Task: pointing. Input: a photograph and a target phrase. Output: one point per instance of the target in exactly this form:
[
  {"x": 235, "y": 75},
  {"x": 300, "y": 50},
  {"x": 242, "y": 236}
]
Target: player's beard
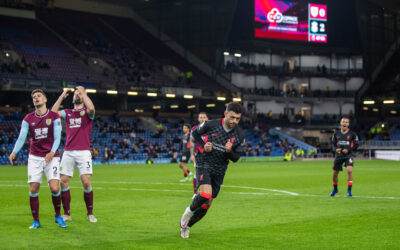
[
  {"x": 231, "y": 125},
  {"x": 77, "y": 101}
]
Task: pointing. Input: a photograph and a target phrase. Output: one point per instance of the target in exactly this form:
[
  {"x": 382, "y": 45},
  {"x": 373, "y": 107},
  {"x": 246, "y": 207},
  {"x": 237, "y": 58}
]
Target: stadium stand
[
  {"x": 137, "y": 140},
  {"x": 90, "y": 48}
]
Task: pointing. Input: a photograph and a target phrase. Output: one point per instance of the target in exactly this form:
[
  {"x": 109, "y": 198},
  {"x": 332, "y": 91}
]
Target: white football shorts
[
  {"x": 81, "y": 159},
  {"x": 37, "y": 165}
]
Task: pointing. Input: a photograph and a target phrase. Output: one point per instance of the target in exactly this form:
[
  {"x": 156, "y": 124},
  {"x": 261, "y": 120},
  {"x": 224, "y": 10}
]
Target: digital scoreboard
[{"x": 288, "y": 20}]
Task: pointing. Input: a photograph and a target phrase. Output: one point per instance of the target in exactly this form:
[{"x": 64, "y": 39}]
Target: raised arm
[
  {"x": 56, "y": 106},
  {"x": 87, "y": 101},
  {"x": 20, "y": 141}
]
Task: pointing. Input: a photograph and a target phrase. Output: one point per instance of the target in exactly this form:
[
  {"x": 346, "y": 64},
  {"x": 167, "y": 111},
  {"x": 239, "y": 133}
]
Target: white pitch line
[
  {"x": 264, "y": 189},
  {"x": 241, "y": 193},
  {"x": 183, "y": 184}
]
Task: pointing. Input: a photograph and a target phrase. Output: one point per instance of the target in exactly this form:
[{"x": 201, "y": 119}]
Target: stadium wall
[
  {"x": 388, "y": 155},
  {"x": 316, "y": 83},
  {"x": 317, "y": 108},
  {"x": 320, "y": 83}
]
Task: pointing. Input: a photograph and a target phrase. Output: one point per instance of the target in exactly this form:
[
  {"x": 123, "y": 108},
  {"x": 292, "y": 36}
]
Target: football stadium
[{"x": 199, "y": 124}]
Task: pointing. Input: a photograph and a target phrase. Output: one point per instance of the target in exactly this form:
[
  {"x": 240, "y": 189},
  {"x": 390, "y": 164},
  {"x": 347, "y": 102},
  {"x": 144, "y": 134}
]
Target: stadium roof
[{"x": 393, "y": 5}]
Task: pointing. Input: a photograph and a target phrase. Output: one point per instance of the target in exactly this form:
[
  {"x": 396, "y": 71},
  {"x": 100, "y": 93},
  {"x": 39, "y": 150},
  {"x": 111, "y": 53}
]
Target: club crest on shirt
[
  {"x": 82, "y": 113},
  {"x": 48, "y": 122},
  {"x": 33, "y": 124}
]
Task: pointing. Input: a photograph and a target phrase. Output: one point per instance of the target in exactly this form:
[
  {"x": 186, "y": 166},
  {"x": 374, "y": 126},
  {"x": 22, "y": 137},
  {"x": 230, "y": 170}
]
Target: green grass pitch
[{"x": 273, "y": 205}]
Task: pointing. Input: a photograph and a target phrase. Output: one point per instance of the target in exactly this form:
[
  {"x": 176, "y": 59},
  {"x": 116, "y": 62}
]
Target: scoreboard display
[{"x": 288, "y": 20}]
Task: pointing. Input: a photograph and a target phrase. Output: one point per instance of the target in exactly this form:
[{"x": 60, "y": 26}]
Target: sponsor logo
[
  {"x": 214, "y": 134},
  {"x": 275, "y": 16},
  {"x": 41, "y": 133},
  {"x": 219, "y": 147},
  {"x": 75, "y": 122},
  {"x": 48, "y": 122}
]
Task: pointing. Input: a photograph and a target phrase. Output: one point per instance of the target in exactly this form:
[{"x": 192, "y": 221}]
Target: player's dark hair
[
  {"x": 345, "y": 117},
  {"x": 38, "y": 91},
  {"x": 187, "y": 125},
  {"x": 234, "y": 107},
  {"x": 203, "y": 113}
]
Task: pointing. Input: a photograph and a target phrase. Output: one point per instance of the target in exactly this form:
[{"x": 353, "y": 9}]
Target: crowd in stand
[
  {"x": 133, "y": 140},
  {"x": 21, "y": 67},
  {"x": 123, "y": 64}
]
